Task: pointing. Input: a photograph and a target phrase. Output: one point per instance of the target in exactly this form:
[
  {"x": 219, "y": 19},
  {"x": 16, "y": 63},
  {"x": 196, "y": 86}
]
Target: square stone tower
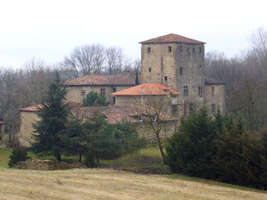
[{"x": 177, "y": 62}]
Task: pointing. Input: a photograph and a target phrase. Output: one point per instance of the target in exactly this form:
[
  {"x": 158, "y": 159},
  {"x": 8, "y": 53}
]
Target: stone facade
[
  {"x": 26, "y": 128},
  {"x": 179, "y": 63},
  {"x": 168, "y": 129},
  {"x": 78, "y": 93}
]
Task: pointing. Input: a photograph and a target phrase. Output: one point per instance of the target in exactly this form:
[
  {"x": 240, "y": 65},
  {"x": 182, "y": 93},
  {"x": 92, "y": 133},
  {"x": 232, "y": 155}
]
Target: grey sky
[{"x": 50, "y": 29}]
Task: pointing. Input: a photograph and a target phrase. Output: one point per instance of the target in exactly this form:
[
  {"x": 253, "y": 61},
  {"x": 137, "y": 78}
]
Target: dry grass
[{"x": 110, "y": 184}]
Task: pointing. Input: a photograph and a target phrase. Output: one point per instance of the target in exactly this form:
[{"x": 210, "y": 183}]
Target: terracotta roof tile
[
  {"x": 35, "y": 108},
  {"x": 147, "y": 89},
  {"x": 171, "y": 38},
  {"x": 97, "y": 79}
]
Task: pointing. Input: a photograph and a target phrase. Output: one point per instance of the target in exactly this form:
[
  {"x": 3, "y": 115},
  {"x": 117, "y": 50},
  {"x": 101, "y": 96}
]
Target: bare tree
[
  {"x": 86, "y": 59},
  {"x": 154, "y": 111},
  {"x": 114, "y": 60}
]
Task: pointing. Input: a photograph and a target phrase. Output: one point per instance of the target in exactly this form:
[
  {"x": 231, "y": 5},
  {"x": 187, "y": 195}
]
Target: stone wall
[
  {"x": 158, "y": 65},
  {"x": 28, "y": 118},
  {"x": 78, "y": 93},
  {"x": 26, "y": 128},
  {"x": 144, "y": 130},
  {"x": 215, "y": 95}
]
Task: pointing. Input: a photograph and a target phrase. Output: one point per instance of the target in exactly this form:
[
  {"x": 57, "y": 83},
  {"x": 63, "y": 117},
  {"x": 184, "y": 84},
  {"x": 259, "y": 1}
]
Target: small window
[
  {"x": 148, "y": 49},
  {"x": 169, "y": 49},
  {"x": 200, "y": 49},
  {"x": 200, "y": 91},
  {"x": 149, "y": 69},
  {"x": 103, "y": 92},
  {"x": 212, "y": 91},
  {"x": 181, "y": 71},
  {"x": 213, "y": 108},
  {"x": 114, "y": 100},
  {"x": 218, "y": 108},
  {"x": 188, "y": 51},
  {"x": 200, "y": 66},
  {"x": 83, "y": 93},
  {"x": 181, "y": 48},
  {"x": 174, "y": 108},
  {"x": 193, "y": 50},
  {"x": 166, "y": 78},
  {"x": 185, "y": 90},
  {"x": 185, "y": 109},
  {"x": 191, "y": 108},
  {"x": 114, "y": 89}
]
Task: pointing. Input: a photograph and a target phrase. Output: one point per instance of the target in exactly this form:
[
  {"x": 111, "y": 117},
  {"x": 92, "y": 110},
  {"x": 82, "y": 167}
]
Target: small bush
[
  {"x": 17, "y": 155},
  {"x": 90, "y": 160},
  {"x": 94, "y": 99}
]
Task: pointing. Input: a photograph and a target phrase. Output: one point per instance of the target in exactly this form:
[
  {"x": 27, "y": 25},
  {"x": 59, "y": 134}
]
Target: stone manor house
[{"x": 172, "y": 67}]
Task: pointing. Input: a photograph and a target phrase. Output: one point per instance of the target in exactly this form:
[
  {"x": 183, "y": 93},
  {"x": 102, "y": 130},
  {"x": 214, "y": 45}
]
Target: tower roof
[{"x": 171, "y": 38}]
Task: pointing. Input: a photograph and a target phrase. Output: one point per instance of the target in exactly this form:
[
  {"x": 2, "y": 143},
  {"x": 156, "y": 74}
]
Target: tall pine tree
[{"x": 53, "y": 117}]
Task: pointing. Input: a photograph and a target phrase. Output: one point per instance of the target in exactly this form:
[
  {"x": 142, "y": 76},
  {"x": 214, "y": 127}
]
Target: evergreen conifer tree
[{"x": 53, "y": 117}]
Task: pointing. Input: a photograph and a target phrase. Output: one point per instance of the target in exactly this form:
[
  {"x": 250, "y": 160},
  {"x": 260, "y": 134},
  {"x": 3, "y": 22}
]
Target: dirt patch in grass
[{"x": 37, "y": 164}]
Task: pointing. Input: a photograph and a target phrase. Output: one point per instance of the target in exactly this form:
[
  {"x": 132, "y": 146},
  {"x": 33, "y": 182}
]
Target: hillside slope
[{"x": 109, "y": 184}]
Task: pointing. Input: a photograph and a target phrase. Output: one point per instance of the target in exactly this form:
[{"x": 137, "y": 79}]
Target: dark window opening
[
  {"x": 191, "y": 108},
  {"x": 200, "y": 91},
  {"x": 218, "y": 108},
  {"x": 185, "y": 109},
  {"x": 185, "y": 90},
  {"x": 148, "y": 49},
  {"x": 165, "y": 78},
  {"x": 149, "y": 69},
  {"x": 213, "y": 108},
  {"x": 114, "y": 89},
  {"x": 200, "y": 49},
  {"x": 200, "y": 66},
  {"x": 83, "y": 93},
  {"x": 103, "y": 92},
  {"x": 181, "y": 48},
  {"x": 193, "y": 50},
  {"x": 170, "y": 49},
  {"x": 174, "y": 108},
  {"x": 181, "y": 70},
  {"x": 114, "y": 100},
  {"x": 188, "y": 51}
]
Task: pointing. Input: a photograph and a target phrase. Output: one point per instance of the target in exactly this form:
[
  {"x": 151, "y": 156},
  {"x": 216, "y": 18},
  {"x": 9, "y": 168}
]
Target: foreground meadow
[{"x": 111, "y": 184}]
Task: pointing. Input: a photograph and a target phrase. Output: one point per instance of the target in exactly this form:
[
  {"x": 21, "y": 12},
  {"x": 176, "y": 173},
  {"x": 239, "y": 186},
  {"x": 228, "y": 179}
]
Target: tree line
[
  {"x": 27, "y": 86},
  {"x": 219, "y": 148},
  {"x": 246, "y": 80}
]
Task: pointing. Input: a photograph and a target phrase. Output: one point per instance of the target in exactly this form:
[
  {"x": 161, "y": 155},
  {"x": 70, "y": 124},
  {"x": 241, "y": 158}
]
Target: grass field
[
  {"x": 111, "y": 184},
  {"x": 115, "y": 184}
]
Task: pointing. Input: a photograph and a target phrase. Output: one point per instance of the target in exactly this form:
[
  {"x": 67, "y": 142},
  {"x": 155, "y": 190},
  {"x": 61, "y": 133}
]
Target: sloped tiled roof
[
  {"x": 147, "y": 89},
  {"x": 37, "y": 107},
  {"x": 171, "y": 38},
  {"x": 98, "y": 79}
]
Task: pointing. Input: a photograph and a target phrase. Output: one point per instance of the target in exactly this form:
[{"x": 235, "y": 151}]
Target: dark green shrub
[
  {"x": 90, "y": 160},
  {"x": 17, "y": 155},
  {"x": 192, "y": 149},
  {"x": 94, "y": 99}
]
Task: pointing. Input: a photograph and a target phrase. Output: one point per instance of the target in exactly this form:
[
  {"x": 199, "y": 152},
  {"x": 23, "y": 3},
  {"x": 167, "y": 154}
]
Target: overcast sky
[{"x": 49, "y": 29}]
